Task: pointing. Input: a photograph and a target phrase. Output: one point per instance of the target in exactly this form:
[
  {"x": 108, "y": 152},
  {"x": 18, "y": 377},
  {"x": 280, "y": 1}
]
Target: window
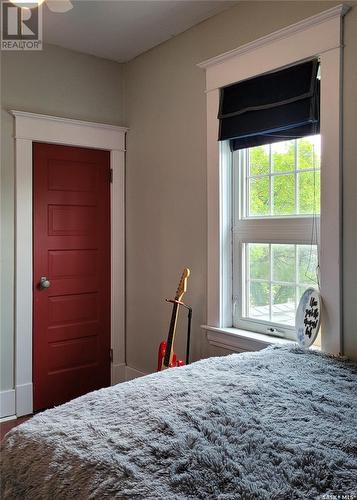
[
  {"x": 272, "y": 123},
  {"x": 318, "y": 37},
  {"x": 274, "y": 185}
]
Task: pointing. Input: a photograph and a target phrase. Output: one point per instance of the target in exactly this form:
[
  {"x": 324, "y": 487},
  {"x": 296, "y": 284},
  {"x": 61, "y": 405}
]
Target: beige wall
[
  {"x": 166, "y": 171},
  {"x": 54, "y": 81}
]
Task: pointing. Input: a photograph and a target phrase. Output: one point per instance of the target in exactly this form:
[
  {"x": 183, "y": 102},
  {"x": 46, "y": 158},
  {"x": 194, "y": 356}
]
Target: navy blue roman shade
[{"x": 273, "y": 107}]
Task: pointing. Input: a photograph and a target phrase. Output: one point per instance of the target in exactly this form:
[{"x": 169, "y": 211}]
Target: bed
[{"x": 276, "y": 424}]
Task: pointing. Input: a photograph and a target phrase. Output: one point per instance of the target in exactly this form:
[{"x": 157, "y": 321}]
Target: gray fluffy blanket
[{"x": 275, "y": 424}]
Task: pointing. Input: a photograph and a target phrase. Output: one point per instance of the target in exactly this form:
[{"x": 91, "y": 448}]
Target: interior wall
[
  {"x": 57, "y": 82},
  {"x": 165, "y": 108},
  {"x": 166, "y": 171}
]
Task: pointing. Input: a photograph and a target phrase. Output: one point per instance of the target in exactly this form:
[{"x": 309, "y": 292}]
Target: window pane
[
  {"x": 283, "y": 306},
  {"x": 283, "y": 156},
  {"x": 305, "y": 154},
  {"x": 317, "y": 154},
  {"x": 259, "y": 196},
  {"x": 283, "y": 258},
  {"x": 259, "y": 261},
  {"x": 309, "y": 192},
  {"x": 277, "y": 274},
  {"x": 290, "y": 178},
  {"x": 283, "y": 194},
  {"x": 259, "y": 300},
  {"x": 308, "y": 152},
  {"x": 307, "y": 264},
  {"x": 259, "y": 160}
]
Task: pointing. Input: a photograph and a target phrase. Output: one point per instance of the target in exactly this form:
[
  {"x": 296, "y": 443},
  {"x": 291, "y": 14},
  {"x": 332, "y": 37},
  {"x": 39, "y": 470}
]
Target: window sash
[
  {"x": 290, "y": 229},
  {"x": 240, "y": 294},
  {"x": 298, "y": 230},
  {"x": 241, "y": 178}
]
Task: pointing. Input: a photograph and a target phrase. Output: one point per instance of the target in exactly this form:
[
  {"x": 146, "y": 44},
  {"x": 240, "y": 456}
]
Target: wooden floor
[{"x": 9, "y": 424}]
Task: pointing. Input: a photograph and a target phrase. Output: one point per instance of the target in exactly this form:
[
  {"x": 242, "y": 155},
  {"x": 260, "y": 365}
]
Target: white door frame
[{"x": 29, "y": 128}]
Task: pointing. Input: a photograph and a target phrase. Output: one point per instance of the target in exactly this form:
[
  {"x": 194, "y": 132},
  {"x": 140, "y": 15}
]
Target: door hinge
[
  {"x": 111, "y": 175},
  {"x": 111, "y": 355}
]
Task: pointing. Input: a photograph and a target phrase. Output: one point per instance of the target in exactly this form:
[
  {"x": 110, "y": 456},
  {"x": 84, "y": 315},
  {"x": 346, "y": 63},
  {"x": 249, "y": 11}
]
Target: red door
[{"x": 71, "y": 342}]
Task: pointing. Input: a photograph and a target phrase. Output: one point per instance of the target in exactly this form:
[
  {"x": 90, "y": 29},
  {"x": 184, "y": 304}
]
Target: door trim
[{"x": 29, "y": 128}]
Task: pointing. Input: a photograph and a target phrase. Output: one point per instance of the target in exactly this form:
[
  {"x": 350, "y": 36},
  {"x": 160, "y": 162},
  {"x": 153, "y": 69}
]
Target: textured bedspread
[{"x": 278, "y": 424}]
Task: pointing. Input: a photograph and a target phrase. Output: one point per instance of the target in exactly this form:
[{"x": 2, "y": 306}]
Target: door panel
[{"x": 71, "y": 351}]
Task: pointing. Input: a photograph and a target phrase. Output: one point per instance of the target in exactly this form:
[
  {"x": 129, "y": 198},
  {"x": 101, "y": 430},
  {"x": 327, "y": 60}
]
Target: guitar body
[
  {"x": 166, "y": 357},
  {"x": 161, "y": 357}
]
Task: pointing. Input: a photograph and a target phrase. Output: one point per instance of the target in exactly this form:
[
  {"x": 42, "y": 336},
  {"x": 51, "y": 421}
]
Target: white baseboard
[
  {"x": 131, "y": 373},
  {"x": 7, "y": 403},
  {"x": 118, "y": 373},
  {"x": 7, "y": 419},
  {"x": 24, "y": 403}
]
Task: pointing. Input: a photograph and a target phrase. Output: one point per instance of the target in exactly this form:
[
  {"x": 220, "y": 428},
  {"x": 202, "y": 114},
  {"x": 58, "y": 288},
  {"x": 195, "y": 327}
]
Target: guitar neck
[{"x": 171, "y": 335}]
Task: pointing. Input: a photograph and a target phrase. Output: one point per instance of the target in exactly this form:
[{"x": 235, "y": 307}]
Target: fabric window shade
[{"x": 272, "y": 107}]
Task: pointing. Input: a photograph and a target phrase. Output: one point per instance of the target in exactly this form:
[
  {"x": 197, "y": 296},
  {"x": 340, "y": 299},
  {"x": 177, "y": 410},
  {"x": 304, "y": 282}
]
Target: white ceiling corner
[{"x": 122, "y": 29}]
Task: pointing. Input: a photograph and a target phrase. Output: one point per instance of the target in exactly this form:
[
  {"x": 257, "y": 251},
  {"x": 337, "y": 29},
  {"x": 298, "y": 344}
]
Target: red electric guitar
[{"x": 167, "y": 358}]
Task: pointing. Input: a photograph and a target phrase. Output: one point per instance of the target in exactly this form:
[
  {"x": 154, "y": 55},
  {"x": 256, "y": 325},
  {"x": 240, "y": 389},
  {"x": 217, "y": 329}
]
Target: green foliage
[
  {"x": 283, "y": 258},
  {"x": 309, "y": 186},
  {"x": 284, "y": 195},
  {"x": 283, "y": 269},
  {"x": 284, "y": 157},
  {"x": 259, "y": 294},
  {"x": 259, "y": 196},
  {"x": 307, "y": 156},
  {"x": 259, "y": 160},
  {"x": 259, "y": 261}
]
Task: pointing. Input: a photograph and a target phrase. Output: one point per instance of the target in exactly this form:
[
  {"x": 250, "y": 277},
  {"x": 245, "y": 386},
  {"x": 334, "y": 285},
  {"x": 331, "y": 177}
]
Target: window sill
[{"x": 238, "y": 340}]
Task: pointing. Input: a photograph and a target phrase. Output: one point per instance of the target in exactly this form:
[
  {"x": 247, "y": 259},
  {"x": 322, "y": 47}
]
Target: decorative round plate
[{"x": 308, "y": 317}]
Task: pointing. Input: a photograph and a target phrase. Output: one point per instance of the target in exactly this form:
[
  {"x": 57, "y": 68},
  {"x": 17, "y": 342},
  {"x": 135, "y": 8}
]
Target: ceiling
[{"x": 122, "y": 29}]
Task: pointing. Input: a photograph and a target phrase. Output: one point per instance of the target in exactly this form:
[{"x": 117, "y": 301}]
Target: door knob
[{"x": 44, "y": 282}]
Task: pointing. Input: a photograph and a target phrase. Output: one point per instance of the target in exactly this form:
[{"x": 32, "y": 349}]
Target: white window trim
[
  {"x": 29, "y": 128},
  {"x": 318, "y": 36}
]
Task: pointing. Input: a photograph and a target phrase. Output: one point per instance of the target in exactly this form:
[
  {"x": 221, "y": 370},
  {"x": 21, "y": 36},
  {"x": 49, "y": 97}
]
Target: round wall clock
[{"x": 308, "y": 317}]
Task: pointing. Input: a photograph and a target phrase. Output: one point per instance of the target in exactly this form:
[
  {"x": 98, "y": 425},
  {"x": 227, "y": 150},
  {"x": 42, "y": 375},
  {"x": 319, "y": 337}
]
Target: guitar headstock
[{"x": 182, "y": 287}]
